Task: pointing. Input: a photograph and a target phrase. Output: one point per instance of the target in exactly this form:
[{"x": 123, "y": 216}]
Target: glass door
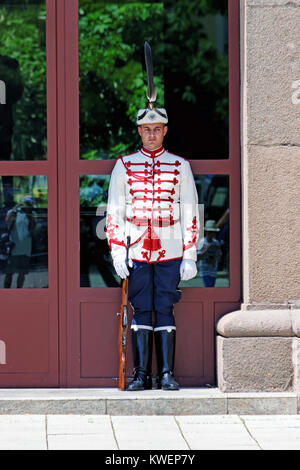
[
  {"x": 105, "y": 84},
  {"x": 28, "y": 195}
]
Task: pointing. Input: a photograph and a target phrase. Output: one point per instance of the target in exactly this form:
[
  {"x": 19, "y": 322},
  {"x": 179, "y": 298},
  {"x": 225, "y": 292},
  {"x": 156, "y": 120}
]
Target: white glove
[
  {"x": 188, "y": 269},
  {"x": 121, "y": 267}
]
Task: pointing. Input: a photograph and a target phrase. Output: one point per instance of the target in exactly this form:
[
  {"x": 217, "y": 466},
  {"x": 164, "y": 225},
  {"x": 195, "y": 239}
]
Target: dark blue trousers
[{"x": 153, "y": 288}]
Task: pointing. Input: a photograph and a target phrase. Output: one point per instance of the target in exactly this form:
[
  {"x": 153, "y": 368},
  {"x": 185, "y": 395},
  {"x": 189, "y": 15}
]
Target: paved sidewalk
[
  {"x": 179, "y": 433},
  {"x": 187, "y": 420}
]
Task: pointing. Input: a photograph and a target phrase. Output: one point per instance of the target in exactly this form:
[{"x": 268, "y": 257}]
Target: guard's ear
[{"x": 165, "y": 130}]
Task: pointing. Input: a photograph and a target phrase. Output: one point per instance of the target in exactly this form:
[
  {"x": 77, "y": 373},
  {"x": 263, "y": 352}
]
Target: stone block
[
  {"x": 271, "y": 225},
  {"x": 257, "y": 364},
  {"x": 262, "y": 404},
  {"x": 295, "y": 315},
  {"x": 255, "y": 323},
  {"x": 38, "y": 407},
  {"x": 272, "y": 75},
  {"x": 296, "y": 362},
  {"x": 273, "y": 3},
  {"x": 204, "y": 405}
]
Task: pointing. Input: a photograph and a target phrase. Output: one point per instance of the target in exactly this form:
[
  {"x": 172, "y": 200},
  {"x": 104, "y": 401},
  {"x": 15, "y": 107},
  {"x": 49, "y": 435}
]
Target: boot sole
[
  {"x": 159, "y": 387},
  {"x": 139, "y": 389}
]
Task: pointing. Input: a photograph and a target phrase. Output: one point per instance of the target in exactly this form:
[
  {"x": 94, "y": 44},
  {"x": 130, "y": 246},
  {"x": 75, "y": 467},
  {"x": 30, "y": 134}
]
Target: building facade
[{"x": 68, "y": 82}]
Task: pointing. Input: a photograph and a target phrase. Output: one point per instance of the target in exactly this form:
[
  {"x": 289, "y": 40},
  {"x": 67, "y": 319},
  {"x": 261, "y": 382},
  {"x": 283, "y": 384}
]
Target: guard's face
[{"x": 152, "y": 135}]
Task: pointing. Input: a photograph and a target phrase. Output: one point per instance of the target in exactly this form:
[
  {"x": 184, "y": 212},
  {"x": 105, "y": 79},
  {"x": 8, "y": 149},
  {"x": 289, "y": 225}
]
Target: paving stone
[
  {"x": 80, "y": 442},
  {"x": 80, "y": 432},
  {"x": 219, "y": 433},
  {"x": 275, "y": 432},
  {"x": 79, "y": 424},
  {"x": 23, "y": 433},
  {"x": 272, "y": 421},
  {"x": 148, "y": 432}
]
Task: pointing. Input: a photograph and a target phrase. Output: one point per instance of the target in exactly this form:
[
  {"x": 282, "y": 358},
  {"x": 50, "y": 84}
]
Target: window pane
[
  {"x": 96, "y": 268},
  {"x": 189, "y": 40},
  {"x": 23, "y": 108},
  {"x": 23, "y": 232},
  {"x": 213, "y": 246}
]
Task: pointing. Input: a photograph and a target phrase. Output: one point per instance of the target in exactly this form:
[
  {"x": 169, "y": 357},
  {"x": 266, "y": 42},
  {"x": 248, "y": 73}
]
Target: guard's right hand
[{"x": 121, "y": 267}]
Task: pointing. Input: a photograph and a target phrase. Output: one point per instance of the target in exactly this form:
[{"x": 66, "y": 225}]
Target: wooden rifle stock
[{"x": 123, "y": 326}]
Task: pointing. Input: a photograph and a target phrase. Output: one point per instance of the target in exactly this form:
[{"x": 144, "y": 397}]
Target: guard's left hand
[{"x": 188, "y": 270}]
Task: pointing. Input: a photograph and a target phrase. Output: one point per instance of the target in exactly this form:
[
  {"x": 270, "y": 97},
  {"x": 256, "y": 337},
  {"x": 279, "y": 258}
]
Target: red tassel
[
  {"x": 156, "y": 245},
  {"x": 152, "y": 242},
  {"x": 147, "y": 244}
]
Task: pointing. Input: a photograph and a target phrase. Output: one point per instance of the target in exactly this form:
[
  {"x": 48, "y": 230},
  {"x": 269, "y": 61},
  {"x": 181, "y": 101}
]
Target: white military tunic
[{"x": 153, "y": 198}]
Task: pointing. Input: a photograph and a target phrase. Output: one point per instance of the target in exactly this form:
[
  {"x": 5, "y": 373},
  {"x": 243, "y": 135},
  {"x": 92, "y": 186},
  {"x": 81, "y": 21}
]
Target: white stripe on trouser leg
[
  {"x": 168, "y": 328},
  {"x": 141, "y": 327}
]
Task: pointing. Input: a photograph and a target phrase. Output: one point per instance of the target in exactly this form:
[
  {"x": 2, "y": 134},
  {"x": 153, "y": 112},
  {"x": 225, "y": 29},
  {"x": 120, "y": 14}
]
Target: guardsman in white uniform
[{"x": 153, "y": 199}]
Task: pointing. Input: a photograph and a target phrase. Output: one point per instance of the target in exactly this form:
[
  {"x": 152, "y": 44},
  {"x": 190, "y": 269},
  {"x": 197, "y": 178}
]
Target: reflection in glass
[
  {"x": 213, "y": 245},
  {"x": 23, "y": 232},
  {"x": 96, "y": 268},
  {"x": 191, "y": 81},
  {"x": 23, "y": 116}
]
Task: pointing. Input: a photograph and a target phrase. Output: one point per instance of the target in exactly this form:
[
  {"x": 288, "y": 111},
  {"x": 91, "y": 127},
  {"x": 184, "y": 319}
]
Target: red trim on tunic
[
  {"x": 146, "y": 164},
  {"x": 194, "y": 230},
  {"x": 159, "y": 181},
  {"x": 145, "y": 190},
  {"x": 159, "y": 222},
  {"x": 152, "y": 153},
  {"x": 140, "y": 180},
  {"x": 115, "y": 242},
  {"x": 177, "y": 163},
  {"x": 137, "y": 173},
  {"x": 160, "y": 190},
  {"x": 159, "y": 172},
  {"x": 174, "y": 155},
  {"x": 143, "y": 261},
  {"x": 158, "y": 199},
  {"x": 161, "y": 254}
]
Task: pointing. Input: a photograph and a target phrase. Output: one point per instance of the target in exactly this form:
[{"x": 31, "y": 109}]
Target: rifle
[{"x": 123, "y": 328}]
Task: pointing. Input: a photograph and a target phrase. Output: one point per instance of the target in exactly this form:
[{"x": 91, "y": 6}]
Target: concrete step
[{"x": 109, "y": 401}]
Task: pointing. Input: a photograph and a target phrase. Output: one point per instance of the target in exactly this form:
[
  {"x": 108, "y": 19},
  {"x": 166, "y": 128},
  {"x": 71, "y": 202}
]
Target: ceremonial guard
[{"x": 153, "y": 199}]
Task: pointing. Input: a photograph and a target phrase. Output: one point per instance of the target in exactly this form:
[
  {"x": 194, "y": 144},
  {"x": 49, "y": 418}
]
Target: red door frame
[
  {"x": 29, "y": 317},
  {"x": 215, "y": 302}
]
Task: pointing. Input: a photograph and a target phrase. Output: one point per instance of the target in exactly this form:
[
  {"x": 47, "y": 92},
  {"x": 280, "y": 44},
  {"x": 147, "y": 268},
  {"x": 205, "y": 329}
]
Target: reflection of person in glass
[
  {"x": 223, "y": 237},
  {"x": 21, "y": 220},
  {"x": 209, "y": 254},
  {"x": 153, "y": 199},
  {"x": 10, "y": 75}
]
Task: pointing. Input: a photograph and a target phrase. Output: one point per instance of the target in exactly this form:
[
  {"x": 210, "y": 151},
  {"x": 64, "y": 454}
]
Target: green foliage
[
  {"x": 112, "y": 71},
  {"x": 112, "y": 80},
  {"x": 192, "y": 58},
  {"x": 93, "y": 190},
  {"x": 22, "y": 37}
]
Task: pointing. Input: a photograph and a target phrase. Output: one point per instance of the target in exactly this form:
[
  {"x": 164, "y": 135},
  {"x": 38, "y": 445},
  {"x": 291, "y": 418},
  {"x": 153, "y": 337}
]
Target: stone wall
[{"x": 264, "y": 334}]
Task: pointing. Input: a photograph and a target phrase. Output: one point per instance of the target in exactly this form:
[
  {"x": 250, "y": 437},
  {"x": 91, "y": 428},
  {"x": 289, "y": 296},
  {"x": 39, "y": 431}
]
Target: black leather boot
[
  {"x": 142, "y": 345},
  {"x": 165, "y": 352}
]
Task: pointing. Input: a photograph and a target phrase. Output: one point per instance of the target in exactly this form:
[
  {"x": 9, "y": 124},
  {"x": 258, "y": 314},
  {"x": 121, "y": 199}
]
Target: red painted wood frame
[
  {"x": 88, "y": 322},
  {"x": 29, "y": 317}
]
